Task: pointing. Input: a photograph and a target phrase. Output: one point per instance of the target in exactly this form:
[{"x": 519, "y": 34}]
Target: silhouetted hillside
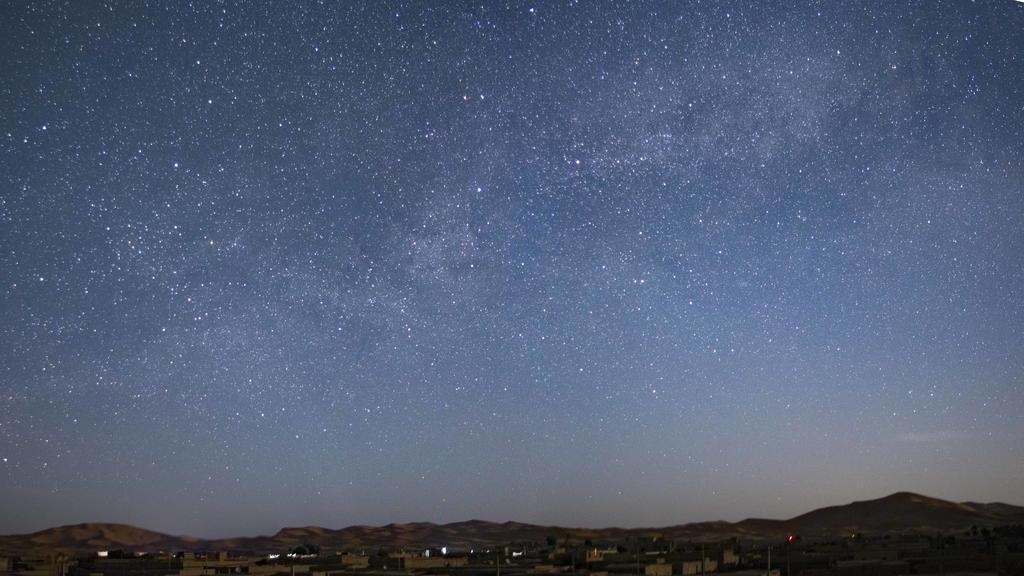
[{"x": 903, "y": 511}]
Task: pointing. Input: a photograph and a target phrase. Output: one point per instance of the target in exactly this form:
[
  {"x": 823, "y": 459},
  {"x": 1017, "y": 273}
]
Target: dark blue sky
[{"x": 578, "y": 263}]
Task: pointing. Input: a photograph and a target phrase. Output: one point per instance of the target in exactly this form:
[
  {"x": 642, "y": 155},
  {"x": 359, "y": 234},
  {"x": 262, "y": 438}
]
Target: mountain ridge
[{"x": 900, "y": 511}]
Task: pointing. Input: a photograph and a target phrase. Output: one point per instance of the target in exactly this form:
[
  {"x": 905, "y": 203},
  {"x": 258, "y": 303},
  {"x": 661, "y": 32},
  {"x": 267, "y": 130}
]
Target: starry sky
[{"x": 584, "y": 263}]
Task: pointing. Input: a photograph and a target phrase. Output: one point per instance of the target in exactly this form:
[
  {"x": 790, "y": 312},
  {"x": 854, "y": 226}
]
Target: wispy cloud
[{"x": 932, "y": 436}]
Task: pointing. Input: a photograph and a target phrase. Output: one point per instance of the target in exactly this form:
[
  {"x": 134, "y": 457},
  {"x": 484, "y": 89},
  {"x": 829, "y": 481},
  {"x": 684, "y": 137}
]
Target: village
[{"x": 974, "y": 551}]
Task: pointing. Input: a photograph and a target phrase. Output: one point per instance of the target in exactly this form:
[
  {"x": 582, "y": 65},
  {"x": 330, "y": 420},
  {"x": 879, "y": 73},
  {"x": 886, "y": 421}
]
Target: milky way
[{"x": 576, "y": 263}]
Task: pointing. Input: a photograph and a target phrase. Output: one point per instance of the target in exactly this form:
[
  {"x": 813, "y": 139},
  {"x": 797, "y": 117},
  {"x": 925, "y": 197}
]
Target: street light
[{"x": 789, "y": 540}]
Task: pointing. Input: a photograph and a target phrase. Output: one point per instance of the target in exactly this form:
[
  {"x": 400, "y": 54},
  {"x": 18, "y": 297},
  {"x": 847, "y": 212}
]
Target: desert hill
[
  {"x": 902, "y": 511},
  {"x": 95, "y": 536}
]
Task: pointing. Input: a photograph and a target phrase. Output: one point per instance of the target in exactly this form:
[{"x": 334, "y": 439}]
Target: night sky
[{"x": 578, "y": 263}]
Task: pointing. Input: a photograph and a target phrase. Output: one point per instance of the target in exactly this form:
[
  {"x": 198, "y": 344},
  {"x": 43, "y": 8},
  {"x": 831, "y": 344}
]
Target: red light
[{"x": 790, "y": 538}]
